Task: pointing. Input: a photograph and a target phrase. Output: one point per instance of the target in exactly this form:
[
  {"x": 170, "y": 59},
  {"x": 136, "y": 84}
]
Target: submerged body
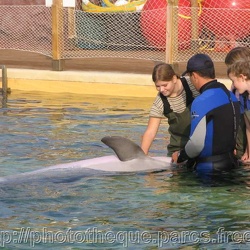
[{"x": 130, "y": 158}]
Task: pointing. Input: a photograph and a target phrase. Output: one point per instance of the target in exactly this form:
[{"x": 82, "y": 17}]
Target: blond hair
[
  {"x": 240, "y": 67},
  {"x": 237, "y": 54}
]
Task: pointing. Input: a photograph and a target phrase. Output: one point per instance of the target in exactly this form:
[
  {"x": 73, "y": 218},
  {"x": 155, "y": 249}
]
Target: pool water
[{"x": 168, "y": 210}]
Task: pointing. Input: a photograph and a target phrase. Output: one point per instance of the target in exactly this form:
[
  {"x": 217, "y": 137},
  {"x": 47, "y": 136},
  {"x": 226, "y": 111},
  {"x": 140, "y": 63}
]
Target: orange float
[
  {"x": 153, "y": 23},
  {"x": 227, "y": 18}
]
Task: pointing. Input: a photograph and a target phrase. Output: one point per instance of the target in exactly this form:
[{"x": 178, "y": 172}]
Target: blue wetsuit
[{"x": 215, "y": 116}]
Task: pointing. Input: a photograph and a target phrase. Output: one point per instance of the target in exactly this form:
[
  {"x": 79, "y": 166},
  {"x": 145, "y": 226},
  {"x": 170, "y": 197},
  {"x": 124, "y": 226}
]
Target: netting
[
  {"x": 27, "y": 28},
  {"x": 139, "y": 29}
]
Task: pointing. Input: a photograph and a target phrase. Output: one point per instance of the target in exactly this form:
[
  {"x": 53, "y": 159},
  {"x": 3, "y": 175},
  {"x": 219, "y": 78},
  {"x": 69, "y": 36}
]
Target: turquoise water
[{"x": 164, "y": 210}]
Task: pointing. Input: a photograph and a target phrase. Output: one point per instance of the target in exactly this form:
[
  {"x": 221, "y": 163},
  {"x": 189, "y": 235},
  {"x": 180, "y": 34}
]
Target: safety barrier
[{"x": 159, "y": 30}]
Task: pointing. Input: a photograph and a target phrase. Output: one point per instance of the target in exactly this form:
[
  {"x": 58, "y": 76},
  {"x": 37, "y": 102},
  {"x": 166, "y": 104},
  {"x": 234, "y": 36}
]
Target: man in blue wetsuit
[{"x": 215, "y": 116}]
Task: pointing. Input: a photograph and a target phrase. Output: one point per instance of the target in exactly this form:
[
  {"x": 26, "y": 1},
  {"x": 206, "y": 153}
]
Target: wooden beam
[{"x": 57, "y": 35}]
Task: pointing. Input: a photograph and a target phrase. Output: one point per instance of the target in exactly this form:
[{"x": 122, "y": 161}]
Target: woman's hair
[
  {"x": 236, "y": 54},
  {"x": 163, "y": 72},
  {"x": 240, "y": 67}
]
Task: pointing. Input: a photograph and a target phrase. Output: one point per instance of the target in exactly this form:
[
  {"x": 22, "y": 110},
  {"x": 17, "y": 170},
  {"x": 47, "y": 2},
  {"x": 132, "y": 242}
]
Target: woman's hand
[{"x": 175, "y": 156}]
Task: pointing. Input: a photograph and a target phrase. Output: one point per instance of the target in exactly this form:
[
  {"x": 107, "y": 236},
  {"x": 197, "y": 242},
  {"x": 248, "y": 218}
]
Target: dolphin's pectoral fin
[{"x": 124, "y": 148}]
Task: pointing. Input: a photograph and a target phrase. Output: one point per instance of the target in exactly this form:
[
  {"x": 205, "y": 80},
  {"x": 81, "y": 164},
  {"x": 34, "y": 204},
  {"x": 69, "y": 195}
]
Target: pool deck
[
  {"x": 77, "y": 82},
  {"x": 115, "y": 77}
]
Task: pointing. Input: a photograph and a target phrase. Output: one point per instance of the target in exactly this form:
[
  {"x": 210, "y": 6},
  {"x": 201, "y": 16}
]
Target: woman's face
[
  {"x": 239, "y": 82},
  {"x": 166, "y": 87}
]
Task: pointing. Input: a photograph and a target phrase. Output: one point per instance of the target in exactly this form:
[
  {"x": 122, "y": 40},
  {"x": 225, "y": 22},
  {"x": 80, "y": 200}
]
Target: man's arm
[{"x": 195, "y": 143}]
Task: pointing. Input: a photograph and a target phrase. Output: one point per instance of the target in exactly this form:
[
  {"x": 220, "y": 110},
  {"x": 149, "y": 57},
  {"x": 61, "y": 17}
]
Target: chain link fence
[{"x": 139, "y": 29}]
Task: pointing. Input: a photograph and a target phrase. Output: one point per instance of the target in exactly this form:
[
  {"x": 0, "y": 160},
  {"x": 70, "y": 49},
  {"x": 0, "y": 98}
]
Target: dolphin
[{"x": 129, "y": 158}]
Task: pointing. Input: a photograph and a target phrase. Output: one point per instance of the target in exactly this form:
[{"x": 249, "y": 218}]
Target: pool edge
[{"x": 82, "y": 82}]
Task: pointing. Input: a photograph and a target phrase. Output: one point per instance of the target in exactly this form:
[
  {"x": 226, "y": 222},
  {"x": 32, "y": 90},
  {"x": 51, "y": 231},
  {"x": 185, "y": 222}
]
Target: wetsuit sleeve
[{"x": 196, "y": 140}]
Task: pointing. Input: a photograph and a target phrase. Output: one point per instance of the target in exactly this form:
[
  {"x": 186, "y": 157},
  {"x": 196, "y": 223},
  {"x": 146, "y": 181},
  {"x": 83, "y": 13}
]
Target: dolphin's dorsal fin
[{"x": 124, "y": 148}]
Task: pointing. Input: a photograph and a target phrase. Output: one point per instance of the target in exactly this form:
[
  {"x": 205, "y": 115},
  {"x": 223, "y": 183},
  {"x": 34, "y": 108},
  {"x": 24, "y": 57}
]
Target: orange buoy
[
  {"x": 153, "y": 23},
  {"x": 227, "y": 18}
]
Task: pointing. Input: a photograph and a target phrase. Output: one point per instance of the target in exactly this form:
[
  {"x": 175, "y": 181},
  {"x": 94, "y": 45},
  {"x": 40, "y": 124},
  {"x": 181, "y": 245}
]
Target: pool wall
[{"x": 84, "y": 82}]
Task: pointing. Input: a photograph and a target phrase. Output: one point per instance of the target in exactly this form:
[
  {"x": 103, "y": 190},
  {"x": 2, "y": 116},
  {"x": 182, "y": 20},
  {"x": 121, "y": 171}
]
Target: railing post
[
  {"x": 171, "y": 32},
  {"x": 195, "y": 27},
  {"x": 4, "y": 80},
  {"x": 57, "y": 35},
  {"x": 5, "y": 90}
]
